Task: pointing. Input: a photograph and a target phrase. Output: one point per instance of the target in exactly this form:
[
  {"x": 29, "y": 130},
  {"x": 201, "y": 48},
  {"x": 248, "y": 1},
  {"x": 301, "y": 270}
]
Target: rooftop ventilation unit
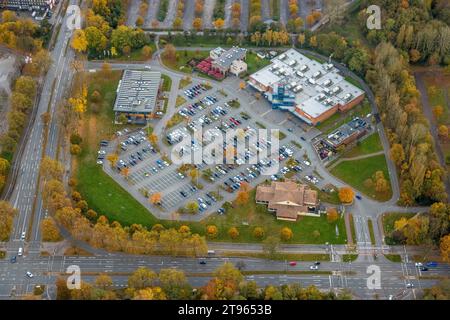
[
  {"x": 304, "y": 68},
  {"x": 328, "y": 83},
  {"x": 317, "y": 74},
  {"x": 348, "y": 97},
  {"x": 337, "y": 89}
]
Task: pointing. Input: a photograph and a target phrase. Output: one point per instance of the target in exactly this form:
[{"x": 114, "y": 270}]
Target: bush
[
  {"x": 286, "y": 234},
  {"x": 158, "y": 227},
  {"x": 184, "y": 229},
  {"x": 75, "y": 138},
  {"x": 258, "y": 233},
  {"x": 212, "y": 231},
  {"x": 233, "y": 233}
]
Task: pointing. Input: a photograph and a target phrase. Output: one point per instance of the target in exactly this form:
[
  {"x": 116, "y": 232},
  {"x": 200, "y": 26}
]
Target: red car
[{"x": 293, "y": 263}]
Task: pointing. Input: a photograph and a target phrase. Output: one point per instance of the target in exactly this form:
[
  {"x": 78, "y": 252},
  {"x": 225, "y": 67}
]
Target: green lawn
[
  {"x": 356, "y": 172},
  {"x": 389, "y": 219},
  {"x": 258, "y": 216},
  {"x": 349, "y": 257},
  {"x": 352, "y": 228},
  {"x": 353, "y": 82},
  {"x": 369, "y": 145},
  {"x": 183, "y": 57},
  {"x": 393, "y": 257},
  {"x": 255, "y": 63},
  {"x": 339, "y": 119},
  {"x": 101, "y": 192},
  {"x": 281, "y": 256},
  {"x": 167, "y": 82},
  {"x": 185, "y": 82},
  {"x": 180, "y": 101}
]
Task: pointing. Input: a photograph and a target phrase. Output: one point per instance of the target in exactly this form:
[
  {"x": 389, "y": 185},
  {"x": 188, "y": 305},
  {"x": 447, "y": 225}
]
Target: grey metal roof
[
  {"x": 226, "y": 59},
  {"x": 137, "y": 91}
]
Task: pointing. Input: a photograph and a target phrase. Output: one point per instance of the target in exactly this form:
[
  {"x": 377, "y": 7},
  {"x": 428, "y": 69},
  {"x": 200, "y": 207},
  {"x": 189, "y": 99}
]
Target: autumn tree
[
  {"x": 50, "y": 232},
  {"x": 381, "y": 184},
  {"x": 153, "y": 139},
  {"x": 233, "y": 232},
  {"x": 397, "y": 154},
  {"x": 169, "y": 53},
  {"x": 79, "y": 41},
  {"x": 438, "y": 111},
  {"x": 103, "y": 282},
  {"x": 332, "y": 215},
  {"x": 212, "y": 231},
  {"x": 242, "y": 197},
  {"x": 112, "y": 159},
  {"x": 445, "y": 248},
  {"x": 219, "y": 23},
  {"x": 271, "y": 246},
  {"x": 197, "y": 24},
  {"x": 141, "y": 278},
  {"x": 147, "y": 52},
  {"x": 155, "y": 198},
  {"x": 7, "y": 213},
  {"x": 346, "y": 195},
  {"x": 175, "y": 284},
  {"x": 258, "y": 232},
  {"x": 286, "y": 234},
  {"x": 443, "y": 132},
  {"x": 192, "y": 207},
  {"x": 225, "y": 283}
]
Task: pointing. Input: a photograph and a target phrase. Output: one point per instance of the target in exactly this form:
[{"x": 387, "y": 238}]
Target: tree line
[
  {"x": 227, "y": 283},
  {"x": 432, "y": 228}
]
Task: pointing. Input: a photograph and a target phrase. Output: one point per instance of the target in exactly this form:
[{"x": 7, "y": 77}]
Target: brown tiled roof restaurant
[{"x": 288, "y": 199}]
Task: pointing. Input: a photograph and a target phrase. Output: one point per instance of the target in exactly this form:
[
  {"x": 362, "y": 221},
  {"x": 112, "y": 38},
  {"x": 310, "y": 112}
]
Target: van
[
  {"x": 211, "y": 252},
  {"x": 20, "y": 253}
]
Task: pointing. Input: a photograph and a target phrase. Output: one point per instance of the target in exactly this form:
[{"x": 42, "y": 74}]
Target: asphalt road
[
  {"x": 24, "y": 197},
  {"x": 353, "y": 276}
]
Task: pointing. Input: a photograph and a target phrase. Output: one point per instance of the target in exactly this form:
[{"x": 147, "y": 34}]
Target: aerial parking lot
[{"x": 145, "y": 171}]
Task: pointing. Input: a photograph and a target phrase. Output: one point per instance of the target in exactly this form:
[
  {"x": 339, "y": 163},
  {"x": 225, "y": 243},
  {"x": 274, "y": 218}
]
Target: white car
[
  {"x": 148, "y": 67},
  {"x": 307, "y": 163},
  {"x": 102, "y": 152},
  {"x": 418, "y": 264},
  {"x": 409, "y": 285},
  {"x": 314, "y": 267},
  {"x": 22, "y": 236},
  {"x": 29, "y": 274},
  {"x": 100, "y": 162}
]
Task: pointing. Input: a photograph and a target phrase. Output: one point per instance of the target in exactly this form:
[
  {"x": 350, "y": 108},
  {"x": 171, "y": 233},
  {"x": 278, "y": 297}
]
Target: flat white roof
[{"x": 316, "y": 79}]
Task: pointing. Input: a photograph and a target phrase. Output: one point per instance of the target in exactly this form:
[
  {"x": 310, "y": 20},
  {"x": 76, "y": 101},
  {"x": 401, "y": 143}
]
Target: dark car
[
  {"x": 202, "y": 262},
  {"x": 13, "y": 259},
  {"x": 431, "y": 264},
  {"x": 423, "y": 269},
  {"x": 317, "y": 263},
  {"x": 358, "y": 197}
]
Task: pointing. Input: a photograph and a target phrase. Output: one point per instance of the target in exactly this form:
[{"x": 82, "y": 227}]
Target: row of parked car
[
  {"x": 135, "y": 157},
  {"x": 195, "y": 91}
]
